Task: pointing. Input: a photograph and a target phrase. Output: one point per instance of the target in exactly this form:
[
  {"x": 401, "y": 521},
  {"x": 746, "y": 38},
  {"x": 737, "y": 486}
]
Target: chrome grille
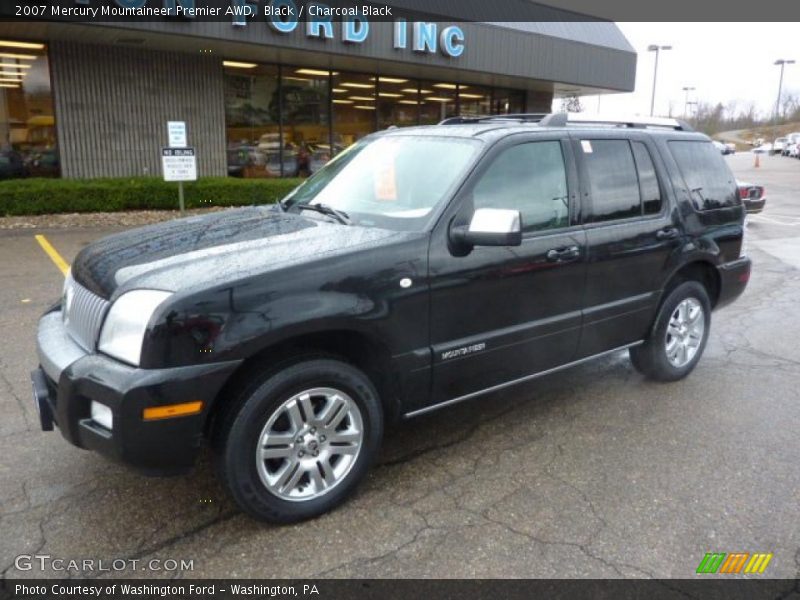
[{"x": 83, "y": 314}]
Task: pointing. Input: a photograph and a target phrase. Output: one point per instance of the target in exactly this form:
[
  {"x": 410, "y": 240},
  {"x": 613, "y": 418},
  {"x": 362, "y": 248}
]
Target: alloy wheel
[
  {"x": 310, "y": 444},
  {"x": 685, "y": 332}
]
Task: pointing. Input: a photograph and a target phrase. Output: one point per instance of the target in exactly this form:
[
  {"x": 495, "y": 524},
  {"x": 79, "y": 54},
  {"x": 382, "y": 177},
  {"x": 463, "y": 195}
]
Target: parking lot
[{"x": 591, "y": 472}]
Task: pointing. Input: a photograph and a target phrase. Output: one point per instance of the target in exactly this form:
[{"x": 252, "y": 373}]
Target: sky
[{"x": 724, "y": 61}]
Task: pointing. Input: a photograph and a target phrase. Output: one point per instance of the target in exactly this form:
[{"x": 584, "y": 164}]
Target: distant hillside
[{"x": 743, "y": 138}]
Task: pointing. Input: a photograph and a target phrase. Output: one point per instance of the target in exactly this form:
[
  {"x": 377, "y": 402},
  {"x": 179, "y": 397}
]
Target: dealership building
[{"x": 264, "y": 98}]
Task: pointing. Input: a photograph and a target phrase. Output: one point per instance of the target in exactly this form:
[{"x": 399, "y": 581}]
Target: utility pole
[
  {"x": 655, "y": 48},
  {"x": 686, "y": 101},
  {"x": 782, "y": 63}
]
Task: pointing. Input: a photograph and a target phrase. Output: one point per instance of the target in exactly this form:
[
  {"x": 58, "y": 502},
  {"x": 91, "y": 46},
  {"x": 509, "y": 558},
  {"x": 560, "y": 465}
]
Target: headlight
[{"x": 126, "y": 323}]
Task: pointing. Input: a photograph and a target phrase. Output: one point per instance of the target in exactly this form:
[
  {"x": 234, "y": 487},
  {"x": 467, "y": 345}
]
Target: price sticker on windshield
[{"x": 386, "y": 179}]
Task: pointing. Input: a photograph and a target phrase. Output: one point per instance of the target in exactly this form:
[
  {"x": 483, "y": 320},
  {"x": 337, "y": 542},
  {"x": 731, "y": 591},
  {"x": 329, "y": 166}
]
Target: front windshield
[{"x": 394, "y": 182}]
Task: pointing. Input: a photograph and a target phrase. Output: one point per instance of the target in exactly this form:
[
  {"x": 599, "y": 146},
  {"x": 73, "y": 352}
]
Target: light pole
[
  {"x": 782, "y": 63},
  {"x": 655, "y": 48},
  {"x": 686, "y": 101}
]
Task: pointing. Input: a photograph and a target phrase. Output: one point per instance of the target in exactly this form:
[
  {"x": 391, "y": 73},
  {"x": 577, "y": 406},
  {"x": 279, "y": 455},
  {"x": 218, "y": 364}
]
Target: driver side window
[{"x": 530, "y": 178}]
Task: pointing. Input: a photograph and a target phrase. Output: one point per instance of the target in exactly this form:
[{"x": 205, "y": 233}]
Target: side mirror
[{"x": 490, "y": 227}]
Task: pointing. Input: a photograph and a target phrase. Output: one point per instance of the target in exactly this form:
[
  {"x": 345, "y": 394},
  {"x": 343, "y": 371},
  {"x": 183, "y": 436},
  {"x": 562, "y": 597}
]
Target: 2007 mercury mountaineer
[{"x": 419, "y": 268}]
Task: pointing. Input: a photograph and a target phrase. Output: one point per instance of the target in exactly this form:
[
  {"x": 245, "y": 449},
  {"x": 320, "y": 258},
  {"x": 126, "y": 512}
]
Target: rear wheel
[
  {"x": 679, "y": 334},
  {"x": 300, "y": 440}
]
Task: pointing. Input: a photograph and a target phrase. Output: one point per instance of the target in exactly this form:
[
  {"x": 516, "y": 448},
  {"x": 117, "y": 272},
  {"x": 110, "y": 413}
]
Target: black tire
[
  {"x": 239, "y": 431},
  {"x": 650, "y": 358}
]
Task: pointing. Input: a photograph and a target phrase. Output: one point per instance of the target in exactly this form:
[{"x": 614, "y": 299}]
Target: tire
[
  {"x": 285, "y": 426},
  {"x": 661, "y": 356}
]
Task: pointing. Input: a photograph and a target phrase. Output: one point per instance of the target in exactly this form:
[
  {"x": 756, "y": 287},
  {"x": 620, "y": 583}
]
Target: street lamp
[
  {"x": 782, "y": 63},
  {"x": 655, "y": 48},
  {"x": 686, "y": 101}
]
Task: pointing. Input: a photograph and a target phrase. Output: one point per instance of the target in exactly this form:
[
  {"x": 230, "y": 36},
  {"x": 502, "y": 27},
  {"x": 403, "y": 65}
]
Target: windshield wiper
[{"x": 324, "y": 209}]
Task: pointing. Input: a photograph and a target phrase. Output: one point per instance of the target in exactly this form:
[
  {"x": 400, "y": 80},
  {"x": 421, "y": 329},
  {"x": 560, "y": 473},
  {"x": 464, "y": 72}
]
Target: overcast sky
[{"x": 724, "y": 61}]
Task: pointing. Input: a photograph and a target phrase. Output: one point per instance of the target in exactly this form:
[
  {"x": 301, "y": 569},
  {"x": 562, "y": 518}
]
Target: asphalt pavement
[{"x": 591, "y": 472}]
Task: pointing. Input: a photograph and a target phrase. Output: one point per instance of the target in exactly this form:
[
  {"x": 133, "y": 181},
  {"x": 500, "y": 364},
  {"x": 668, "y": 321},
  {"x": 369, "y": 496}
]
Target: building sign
[
  {"x": 176, "y": 133},
  {"x": 179, "y": 164},
  {"x": 314, "y": 19}
]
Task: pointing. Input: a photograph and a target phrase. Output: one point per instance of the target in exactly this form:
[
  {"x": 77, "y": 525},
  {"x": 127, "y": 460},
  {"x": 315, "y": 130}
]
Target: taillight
[{"x": 744, "y": 192}]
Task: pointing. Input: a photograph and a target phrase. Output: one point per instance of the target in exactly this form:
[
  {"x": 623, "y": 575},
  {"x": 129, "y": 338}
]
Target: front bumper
[
  {"x": 69, "y": 379},
  {"x": 733, "y": 277}
]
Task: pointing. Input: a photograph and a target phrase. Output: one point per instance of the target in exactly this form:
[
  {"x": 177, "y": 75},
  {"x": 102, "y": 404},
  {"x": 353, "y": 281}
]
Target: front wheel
[
  {"x": 298, "y": 441},
  {"x": 679, "y": 335}
]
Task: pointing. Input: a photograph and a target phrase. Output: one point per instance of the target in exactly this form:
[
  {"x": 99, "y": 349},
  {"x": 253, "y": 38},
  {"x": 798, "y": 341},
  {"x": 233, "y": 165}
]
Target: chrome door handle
[
  {"x": 563, "y": 254},
  {"x": 668, "y": 233}
]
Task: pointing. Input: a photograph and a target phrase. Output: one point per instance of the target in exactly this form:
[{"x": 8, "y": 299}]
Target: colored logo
[{"x": 734, "y": 563}]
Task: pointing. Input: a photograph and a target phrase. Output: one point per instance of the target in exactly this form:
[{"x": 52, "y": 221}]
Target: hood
[{"x": 213, "y": 248}]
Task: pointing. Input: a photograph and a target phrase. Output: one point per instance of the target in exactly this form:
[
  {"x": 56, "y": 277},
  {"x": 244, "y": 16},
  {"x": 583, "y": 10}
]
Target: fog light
[{"x": 101, "y": 414}]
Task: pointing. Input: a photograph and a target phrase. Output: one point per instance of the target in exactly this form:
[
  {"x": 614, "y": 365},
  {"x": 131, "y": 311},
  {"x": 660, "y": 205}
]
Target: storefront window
[
  {"x": 290, "y": 121},
  {"x": 439, "y": 101},
  {"x": 27, "y": 124},
  {"x": 306, "y": 120},
  {"x": 354, "y": 108},
  {"x": 252, "y": 120},
  {"x": 474, "y": 101},
  {"x": 398, "y": 102},
  {"x": 508, "y": 102}
]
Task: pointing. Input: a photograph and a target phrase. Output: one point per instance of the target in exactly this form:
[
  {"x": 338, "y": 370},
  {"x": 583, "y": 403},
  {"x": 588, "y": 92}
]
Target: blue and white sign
[{"x": 176, "y": 134}]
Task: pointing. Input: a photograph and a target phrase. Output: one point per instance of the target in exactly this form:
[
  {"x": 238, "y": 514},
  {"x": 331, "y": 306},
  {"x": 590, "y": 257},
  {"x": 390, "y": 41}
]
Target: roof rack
[
  {"x": 565, "y": 119},
  {"x": 515, "y": 117}
]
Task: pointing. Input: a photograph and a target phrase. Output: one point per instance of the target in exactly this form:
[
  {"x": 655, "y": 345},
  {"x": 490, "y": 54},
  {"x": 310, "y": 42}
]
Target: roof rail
[
  {"x": 515, "y": 117},
  {"x": 564, "y": 119}
]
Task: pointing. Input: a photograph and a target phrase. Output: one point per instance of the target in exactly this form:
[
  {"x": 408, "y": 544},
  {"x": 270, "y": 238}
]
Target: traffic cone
[{"x": 758, "y": 160}]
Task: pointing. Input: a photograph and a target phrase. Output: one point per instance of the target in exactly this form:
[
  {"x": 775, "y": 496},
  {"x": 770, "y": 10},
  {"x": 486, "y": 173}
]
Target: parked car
[
  {"x": 778, "y": 145},
  {"x": 423, "y": 267},
  {"x": 793, "y": 150},
  {"x": 763, "y": 149},
  {"x": 11, "y": 165},
  {"x": 724, "y": 149},
  {"x": 43, "y": 163},
  {"x": 731, "y": 148},
  {"x": 255, "y": 162},
  {"x": 790, "y": 145},
  {"x": 753, "y": 196}
]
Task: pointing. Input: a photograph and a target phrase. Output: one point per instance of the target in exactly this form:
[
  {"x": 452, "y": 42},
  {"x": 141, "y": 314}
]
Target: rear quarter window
[{"x": 710, "y": 181}]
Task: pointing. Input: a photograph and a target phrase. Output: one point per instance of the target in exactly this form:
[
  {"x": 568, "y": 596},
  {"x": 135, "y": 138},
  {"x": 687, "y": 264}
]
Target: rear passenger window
[
  {"x": 709, "y": 179},
  {"x": 612, "y": 179},
  {"x": 648, "y": 181},
  {"x": 530, "y": 178}
]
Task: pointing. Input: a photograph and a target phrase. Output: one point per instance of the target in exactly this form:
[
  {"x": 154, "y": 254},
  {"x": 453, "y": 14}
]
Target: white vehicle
[
  {"x": 793, "y": 150},
  {"x": 763, "y": 149},
  {"x": 779, "y": 144},
  {"x": 791, "y": 140}
]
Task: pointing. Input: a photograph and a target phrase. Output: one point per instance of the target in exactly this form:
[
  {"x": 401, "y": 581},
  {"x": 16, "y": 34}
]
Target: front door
[{"x": 500, "y": 314}]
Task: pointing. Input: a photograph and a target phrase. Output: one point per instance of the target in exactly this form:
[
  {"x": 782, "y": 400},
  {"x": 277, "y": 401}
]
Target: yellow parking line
[{"x": 53, "y": 254}]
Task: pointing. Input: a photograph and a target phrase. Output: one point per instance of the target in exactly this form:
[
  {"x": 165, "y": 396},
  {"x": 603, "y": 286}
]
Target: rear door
[{"x": 631, "y": 231}]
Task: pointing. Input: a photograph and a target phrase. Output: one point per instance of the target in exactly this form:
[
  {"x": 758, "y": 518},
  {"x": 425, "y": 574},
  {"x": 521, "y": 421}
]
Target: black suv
[{"x": 419, "y": 268}]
